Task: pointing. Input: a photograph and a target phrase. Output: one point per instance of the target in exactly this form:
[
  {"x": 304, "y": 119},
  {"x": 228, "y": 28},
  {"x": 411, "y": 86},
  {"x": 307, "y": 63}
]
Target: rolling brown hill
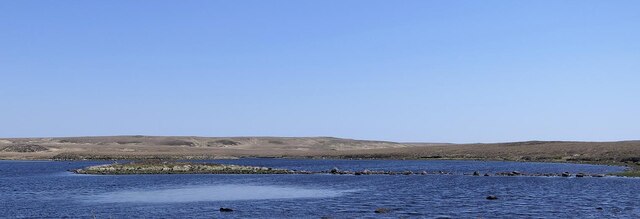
[
  {"x": 109, "y": 147},
  {"x": 166, "y": 147}
]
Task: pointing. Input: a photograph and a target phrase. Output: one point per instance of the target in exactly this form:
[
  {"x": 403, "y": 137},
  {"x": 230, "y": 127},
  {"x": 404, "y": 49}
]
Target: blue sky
[{"x": 435, "y": 71}]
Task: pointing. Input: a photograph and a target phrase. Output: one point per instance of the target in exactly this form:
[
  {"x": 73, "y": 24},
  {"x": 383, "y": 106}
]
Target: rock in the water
[
  {"x": 599, "y": 208},
  {"x": 516, "y": 173},
  {"x": 226, "y": 210},
  {"x": 382, "y": 210},
  {"x": 492, "y": 197},
  {"x": 476, "y": 173},
  {"x": 486, "y": 174},
  {"x": 334, "y": 170},
  {"x": 580, "y": 175},
  {"x": 566, "y": 174}
]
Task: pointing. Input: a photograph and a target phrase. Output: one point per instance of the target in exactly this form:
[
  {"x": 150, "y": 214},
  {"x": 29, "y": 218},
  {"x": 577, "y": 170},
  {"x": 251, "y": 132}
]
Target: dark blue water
[{"x": 45, "y": 190}]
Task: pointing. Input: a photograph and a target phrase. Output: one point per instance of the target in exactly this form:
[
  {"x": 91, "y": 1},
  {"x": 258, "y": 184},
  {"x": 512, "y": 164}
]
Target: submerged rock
[
  {"x": 492, "y": 197},
  {"x": 382, "y": 210},
  {"x": 226, "y": 210}
]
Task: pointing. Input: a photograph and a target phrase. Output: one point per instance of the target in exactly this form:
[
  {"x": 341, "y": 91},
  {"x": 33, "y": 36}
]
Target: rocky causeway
[
  {"x": 177, "y": 168},
  {"x": 146, "y": 167}
]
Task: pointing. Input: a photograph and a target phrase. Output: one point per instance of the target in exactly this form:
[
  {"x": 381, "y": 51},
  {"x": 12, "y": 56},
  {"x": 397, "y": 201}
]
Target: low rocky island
[
  {"x": 177, "y": 168},
  {"x": 169, "y": 167}
]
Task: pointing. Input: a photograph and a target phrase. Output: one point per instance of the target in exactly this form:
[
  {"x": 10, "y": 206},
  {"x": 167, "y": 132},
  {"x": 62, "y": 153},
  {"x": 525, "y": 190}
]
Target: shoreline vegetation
[
  {"x": 633, "y": 171},
  {"x": 622, "y": 153}
]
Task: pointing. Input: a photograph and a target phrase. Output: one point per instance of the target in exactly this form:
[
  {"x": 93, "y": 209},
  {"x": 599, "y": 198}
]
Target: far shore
[{"x": 622, "y": 153}]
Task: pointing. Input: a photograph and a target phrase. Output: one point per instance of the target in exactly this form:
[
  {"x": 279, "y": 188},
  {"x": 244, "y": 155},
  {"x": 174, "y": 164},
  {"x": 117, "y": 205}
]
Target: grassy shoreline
[
  {"x": 631, "y": 170},
  {"x": 147, "y": 167}
]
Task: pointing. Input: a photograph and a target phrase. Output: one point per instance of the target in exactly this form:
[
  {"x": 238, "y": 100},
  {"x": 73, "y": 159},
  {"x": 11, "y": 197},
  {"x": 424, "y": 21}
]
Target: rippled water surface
[
  {"x": 37, "y": 189},
  {"x": 233, "y": 192}
]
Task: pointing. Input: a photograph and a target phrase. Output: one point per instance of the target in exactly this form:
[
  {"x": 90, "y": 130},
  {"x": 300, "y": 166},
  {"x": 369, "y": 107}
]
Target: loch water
[{"x": 46, "y": 189}]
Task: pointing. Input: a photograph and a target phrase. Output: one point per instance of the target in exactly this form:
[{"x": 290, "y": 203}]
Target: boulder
[
  {"x": 226, "y": 210},
  {"x": 492, "y": 197}
]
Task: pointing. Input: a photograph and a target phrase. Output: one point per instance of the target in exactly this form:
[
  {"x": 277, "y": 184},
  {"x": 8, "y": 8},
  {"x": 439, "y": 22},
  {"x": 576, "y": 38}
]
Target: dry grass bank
[{"x": 148, "y": 147}]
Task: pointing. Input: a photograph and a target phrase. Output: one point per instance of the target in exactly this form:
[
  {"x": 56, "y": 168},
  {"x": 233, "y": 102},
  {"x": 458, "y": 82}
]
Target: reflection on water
[{"x": 213, "y": 193}]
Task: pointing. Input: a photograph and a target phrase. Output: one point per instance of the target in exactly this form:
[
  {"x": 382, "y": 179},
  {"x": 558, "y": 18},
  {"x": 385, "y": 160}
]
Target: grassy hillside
[{"x": 164, "y": 147}]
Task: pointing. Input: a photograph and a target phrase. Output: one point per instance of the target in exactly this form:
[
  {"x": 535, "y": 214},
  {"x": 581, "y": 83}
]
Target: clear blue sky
[{"x": 438, "y": 71}]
